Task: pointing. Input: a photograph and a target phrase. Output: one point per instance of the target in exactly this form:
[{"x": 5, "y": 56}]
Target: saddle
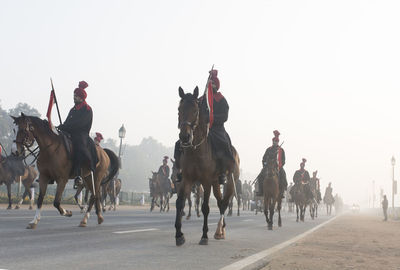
[{"x": 66, "y": 137}]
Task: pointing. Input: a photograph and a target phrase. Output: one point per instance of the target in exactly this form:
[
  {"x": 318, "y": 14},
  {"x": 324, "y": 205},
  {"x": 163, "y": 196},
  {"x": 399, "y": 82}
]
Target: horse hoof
[
  {"x": 270, "y": 227},
  {"x": 219, "y": 236},
  {"x": 9, "y": 207},
  {"x": 280, "y": 224},
  {"x": 100, "y": 220},
  {"x": 82, "y": 224},
  {"x": 198, "y": 215},
  {"x": 68, "y": 213},
  {"x": 17, "y": 207},
  {"x": 30, "y": 207},
  {"x": 203, "y": 241},
  {"x": 31, "y": 226},
  {"x": 180, "y": 240}
]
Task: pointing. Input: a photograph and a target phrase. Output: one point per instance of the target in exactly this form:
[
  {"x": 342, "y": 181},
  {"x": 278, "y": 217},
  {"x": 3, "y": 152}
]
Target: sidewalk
[{"x": 352, "y": 241}]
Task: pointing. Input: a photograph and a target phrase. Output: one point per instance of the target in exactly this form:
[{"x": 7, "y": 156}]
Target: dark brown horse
[
  {"x": 271, "y": 193},
  {"x": 11, "y": 168},
  {"x": 27, "y": 180},
  {"x": 199, "y": 165},
  {"x": 54, "y": 164},
  {"x": 300, "y": 199},
  {"x": 159, "y": 191}
]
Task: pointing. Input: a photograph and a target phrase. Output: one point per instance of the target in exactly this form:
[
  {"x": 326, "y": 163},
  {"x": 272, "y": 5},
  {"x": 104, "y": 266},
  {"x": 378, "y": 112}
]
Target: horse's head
[
  {"x": 25, "y": 135},
  {"x": 188, "y": 115}
]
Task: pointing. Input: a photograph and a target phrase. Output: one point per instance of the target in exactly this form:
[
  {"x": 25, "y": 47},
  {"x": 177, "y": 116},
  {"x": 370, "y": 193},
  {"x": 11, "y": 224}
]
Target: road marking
[
  {"x": 247, "y": 220},
  {"x": 135, "y": 231},
  {"x": 265, "y": 253},
  {"x": 210, "y": 224}
]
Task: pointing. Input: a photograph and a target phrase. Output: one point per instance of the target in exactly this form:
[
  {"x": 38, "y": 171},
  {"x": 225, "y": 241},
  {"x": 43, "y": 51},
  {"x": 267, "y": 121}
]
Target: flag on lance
[
  {"x": 49, "y": 108},
  {"x": 210, "y": 100}
]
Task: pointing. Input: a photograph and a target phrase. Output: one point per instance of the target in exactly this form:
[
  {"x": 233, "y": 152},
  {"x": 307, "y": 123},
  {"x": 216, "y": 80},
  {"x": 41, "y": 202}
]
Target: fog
[{"x": 324, "y": 73}]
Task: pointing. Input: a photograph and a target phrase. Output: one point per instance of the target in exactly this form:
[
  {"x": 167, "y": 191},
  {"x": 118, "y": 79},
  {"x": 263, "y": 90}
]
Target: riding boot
[{"x": 260, "y": 191}]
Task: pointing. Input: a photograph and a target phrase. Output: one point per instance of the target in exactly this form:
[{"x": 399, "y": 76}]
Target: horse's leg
[
  {"x": 78, "y": 191},
  {"x": 161, "y": 202},
  {"x": 180, "y": 205},
  {"x": 271, "y": 213},
  {"x": 26, "y": 193},
  {"x": 9, "y": 196},
  {"x": 266, "y": 208},
  {"x": 238, "y": 202},
  {"x": 152, "y": 204},
  {"x": 189, "y": 199},
  {"x": 297, "y": 212},
  {"x": 223, "y": 203},
  {"x": 42, "y": 192},
  {"x": 205, "y": 209},
  {"x": 91, "y": 202},
  {"x": 57, "y": 198},
  {"x": 31, "y": 197}
]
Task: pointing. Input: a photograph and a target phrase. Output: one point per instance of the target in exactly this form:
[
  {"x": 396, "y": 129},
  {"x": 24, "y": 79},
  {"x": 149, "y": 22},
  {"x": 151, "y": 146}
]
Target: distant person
[
  {"x": 302, "y": 177},
  {"x": 97, "y": 140},
  {"x": 163, "y": 172},
  {"x": 385, "y": 207}
]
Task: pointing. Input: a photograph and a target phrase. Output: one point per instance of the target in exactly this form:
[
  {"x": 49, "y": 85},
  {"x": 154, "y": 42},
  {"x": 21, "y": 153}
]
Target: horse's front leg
[
  {"x": 76, "y": 196},
  {"x": 279, "y": 212},
  {"x": 180, "y": 205},
  {"x": 297, "y": 212},
  {"x": 9, "y": 196},
  {"x": 271, "y": 213},
  {"x": 26, "y": 193},
  {"x": 42, "y": 192},
  {"x": 57, "y": 199},
  {"x": 205, "y": 209}
]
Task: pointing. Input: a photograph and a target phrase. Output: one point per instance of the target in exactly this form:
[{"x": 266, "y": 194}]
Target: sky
[{"x": 323, "y": 73}]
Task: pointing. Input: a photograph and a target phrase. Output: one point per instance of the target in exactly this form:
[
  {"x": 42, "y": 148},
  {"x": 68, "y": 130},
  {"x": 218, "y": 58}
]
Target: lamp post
[
  {"x": 393, "y": 163},
  {"x": 121, "y": 134}
]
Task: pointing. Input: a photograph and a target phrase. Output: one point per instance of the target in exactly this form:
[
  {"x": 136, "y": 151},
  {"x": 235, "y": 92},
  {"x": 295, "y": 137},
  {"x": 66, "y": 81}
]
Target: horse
[
  {"x": 79, "y": 189},
  {"x": 246, "y": 196},
  {"x": 111, "y": 189},
  {"x": 300, "y": 199},
  {"x": 329, "y": 201},
  {"x": 271, "y": 191},
  {"x": 54, "y": 164},
  {"x": 11, "y": 168},
  {"x": 238, "y": 196},
  {"x": 199, "y": 165},
  {"x": 27, "y": 179},
  {"x": 159, "y": 191}
]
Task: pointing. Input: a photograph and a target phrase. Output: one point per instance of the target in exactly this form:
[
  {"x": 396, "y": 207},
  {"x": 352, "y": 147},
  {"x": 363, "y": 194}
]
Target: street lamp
[
  {"x": 393, "y": 163},
  {"x": 121, "y": 133}
]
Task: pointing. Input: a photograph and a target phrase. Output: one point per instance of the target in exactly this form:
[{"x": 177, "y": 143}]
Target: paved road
[{"x": 134, "y": 239}]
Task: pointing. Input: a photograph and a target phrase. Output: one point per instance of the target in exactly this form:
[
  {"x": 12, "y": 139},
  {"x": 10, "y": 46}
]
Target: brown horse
[
  {"x": 159, "y": 191},
  {"x": 300, "y": 199},
  {"x": 112, "y": 189},
  {"x": 27, "y": 180},
  {"x": 199, "y": 165},
  {"x": 54, "y": 164},
  {"x": 238, "y": 196},
  {"x": 271, "y": 193}
]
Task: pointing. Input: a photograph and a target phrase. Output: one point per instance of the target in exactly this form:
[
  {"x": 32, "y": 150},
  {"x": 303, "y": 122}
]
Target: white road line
[
  {"x": 247, "y": 220},
  {"x": 210, "y": 224},
  {"x": 265, "y": 253},
  {"x": 135, "y": 231}
]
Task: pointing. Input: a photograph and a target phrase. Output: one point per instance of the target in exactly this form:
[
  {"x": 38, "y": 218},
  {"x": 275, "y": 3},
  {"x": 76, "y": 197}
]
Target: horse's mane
[{"x": 43, "y": 124}]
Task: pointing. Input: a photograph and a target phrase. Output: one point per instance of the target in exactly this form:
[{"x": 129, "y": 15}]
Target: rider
[
  {"x": 328, "y": 192},
  {"x": 163, "y": 172},
  {"x": 316, "y": 185},
  {"x": 302, "y": 176},
  {"x": 78, "y": 125},
  {"x": 218, "y": 137},
  {"x": 276, "y": 154},
  {"x": 98, "y": 138}
]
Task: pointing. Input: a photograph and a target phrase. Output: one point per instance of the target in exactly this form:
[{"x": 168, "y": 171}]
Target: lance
[{"x": 55, "y": 100}]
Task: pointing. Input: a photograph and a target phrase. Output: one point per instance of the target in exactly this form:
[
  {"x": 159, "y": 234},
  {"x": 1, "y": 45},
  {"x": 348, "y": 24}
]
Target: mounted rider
[
  {"x": 218, "y": 137},
  {"x": 97, "y": 140},
  {"x": 275, "y": 153},
  {"x": 164, "y": 172},
  {"x": 328, "y": 197},
  {"x": 315, "y": 186},
  {"x": 78, "y": 125},
  {"x": 302, "y": 177}
]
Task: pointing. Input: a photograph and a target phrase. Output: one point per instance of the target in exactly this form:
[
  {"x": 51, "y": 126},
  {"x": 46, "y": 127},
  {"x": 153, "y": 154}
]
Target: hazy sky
[{"x": 324, "y": 73}]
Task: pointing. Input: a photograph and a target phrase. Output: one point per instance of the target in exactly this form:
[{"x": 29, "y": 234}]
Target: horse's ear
[
  {"x": 22, "y": 114},
  {"x": 196, "y": 92},
  {"x": 14, "y": 118},
  {"x": 173, "y": 161},
  {"x": 181, "y": 92}
]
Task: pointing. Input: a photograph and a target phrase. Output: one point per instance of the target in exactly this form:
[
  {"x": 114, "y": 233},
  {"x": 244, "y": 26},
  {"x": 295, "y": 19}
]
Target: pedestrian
[{"x": 385, "y": 207}]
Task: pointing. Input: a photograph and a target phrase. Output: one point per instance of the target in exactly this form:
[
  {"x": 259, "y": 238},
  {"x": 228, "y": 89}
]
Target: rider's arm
[
  {"x": 221, "y": 114},
  {"x": 283, "y": 157}
]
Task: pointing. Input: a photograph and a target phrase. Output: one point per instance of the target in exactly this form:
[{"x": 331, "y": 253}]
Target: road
[{"x": 134, "y": 239}]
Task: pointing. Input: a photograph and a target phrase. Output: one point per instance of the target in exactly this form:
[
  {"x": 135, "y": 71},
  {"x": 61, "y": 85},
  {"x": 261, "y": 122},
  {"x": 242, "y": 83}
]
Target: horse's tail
[{"x": 113, "y": 168}]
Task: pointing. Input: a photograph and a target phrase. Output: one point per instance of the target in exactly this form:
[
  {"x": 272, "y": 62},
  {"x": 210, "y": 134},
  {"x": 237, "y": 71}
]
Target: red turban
[
  {"x": 80, "y": 91},
  {"x": 214, "y": 77},
  {"x": 276, "y": 138},
  {"x": 98, "y": 137}
]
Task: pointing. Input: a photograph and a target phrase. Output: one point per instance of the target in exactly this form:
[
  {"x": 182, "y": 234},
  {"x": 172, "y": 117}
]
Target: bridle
[{"x": 192, "y": 126}]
